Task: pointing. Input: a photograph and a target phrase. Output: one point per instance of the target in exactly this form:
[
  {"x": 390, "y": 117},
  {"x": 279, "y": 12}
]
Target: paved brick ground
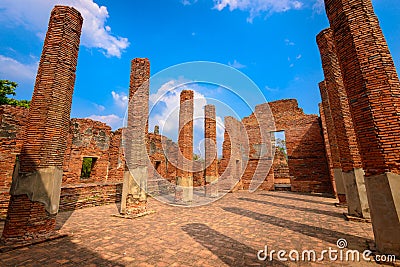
[{"x": 228, "y": 232}]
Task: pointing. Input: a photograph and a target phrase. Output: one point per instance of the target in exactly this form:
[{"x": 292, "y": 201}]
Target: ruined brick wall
[
  {"x": 255, "y": 144},
  {"x": 234, "y": 154},
  {"x": 87, "y": 138},
  {"x": 80, "y": 196},
  {"x": 116, "y": 158},
  {"x": 305, "y": 147},
  {"x": 12, "y": 125},
  {"x": 165, "y": 167}
]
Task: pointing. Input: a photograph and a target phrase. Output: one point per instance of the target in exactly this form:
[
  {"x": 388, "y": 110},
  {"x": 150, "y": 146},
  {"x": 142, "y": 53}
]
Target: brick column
[
  {"x": 36, "y": 187},
  {"x": 134, "y": 197},
  {"x": 343, "y": 128},
  {"x": 184, "y": 179},
  {"x": 333, "y": 145},
  {"x": 373, "y": 90},
  {"x": 210, "y": 148},
  {"x": 328, "y": 153}
]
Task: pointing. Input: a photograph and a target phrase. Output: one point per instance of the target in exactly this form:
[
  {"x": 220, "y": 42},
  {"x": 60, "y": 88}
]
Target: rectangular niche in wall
[{"x": 88, "y": 165}]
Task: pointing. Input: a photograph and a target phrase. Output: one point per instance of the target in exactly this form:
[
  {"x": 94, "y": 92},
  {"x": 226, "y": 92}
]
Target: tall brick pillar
[
  {"x": 134, "y": 197},
  {"x": 36, "y": 186},
  {"x": 210, "y": 148},
  {"x": 184, "y": 179},
  {"x": 373, "y": 90},
  {"x": 328, "y": 149},
  {"x": 333, "y": 144},
  {"x": 343, "y": 128}
]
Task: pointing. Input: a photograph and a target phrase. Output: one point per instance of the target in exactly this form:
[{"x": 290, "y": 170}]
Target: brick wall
[
  {"x": 12, "y": 125},
  {"x": 307, "y": 161},
  {"x": 87, "y": 138}
]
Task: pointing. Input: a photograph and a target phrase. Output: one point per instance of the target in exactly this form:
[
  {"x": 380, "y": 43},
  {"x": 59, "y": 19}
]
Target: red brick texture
[
  {"x": 373, "y": 89},
  {"x": 12, "y": 125},
  {"x": 256, "y": 160},
  {"x": 185, "y": 137},
  {"x": 135, "y": 138},
  {"x": 87, "y": 138},
  {"x": 371, "y": 82},
  {"x": 307, "y": 161},
  {"x": 327, "y": 147},
  {"x": 210, "y": 149},
  {"x": 330, "y": 126},
  {"x": 48, "y": 121},
  {"x": 337, "y": 105}
]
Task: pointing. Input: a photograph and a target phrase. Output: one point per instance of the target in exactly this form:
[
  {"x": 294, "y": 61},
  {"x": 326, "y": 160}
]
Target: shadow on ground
[
  {"x": 230, "y": 251},
  {"x": 68, "y": 254},
  {"x": 331, "y": 236},
  {"x": 286, "y": 206}
]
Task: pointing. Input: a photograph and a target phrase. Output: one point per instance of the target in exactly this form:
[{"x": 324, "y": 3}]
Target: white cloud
[
  {"x": 99, "y": 107},
  {"x": 120, "y": 99},
  {"x": 288, "y": 42},
  {"x": 14, "y": 70},
  {"x": 236, "y": 64},
  {"x": 188, "y": 2},
  {"x": 34, "y": 14},
  {"x": 319, "y": 6},
  {"x": 112, "y": 120},
  {"x": 166, "y": 103},
  {"x": 298, "y": 56},
  {"x": 257, "y": 7},
  {"x": 269, "y": 89}
]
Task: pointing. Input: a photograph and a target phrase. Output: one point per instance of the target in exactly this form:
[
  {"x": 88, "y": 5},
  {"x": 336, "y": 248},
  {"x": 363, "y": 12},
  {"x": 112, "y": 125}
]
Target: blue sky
[{"x": 270, "y": 41}]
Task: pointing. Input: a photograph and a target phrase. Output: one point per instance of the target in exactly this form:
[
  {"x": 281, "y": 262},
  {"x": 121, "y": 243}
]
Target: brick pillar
[
  {"x": 373, "y": 90},
  {"x": 36, "y": 187},
  {"x": 210, "y": 148},
  {"x": 343, "y": 128},
  {"x": 134, "y": 197},
  {"x": 328, "y": 153},
  {"x": 184, "y": 179},
  {"x": 333, "y": 145}
]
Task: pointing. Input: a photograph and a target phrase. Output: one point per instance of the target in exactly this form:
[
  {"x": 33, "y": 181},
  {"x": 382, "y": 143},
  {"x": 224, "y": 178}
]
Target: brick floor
[{"x": 228, "y": 232}]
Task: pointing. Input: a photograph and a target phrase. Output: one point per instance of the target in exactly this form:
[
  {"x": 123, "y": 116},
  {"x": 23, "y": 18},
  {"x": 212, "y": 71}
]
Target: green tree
[{"x": 8, "y": 88}]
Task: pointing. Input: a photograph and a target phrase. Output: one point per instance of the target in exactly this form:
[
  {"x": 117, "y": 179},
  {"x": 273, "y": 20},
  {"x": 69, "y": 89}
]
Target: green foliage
[
  {"x": 281, "y": 145},
  {"x": 8, "y": 88},
  {"x": 87, "y": 166}
]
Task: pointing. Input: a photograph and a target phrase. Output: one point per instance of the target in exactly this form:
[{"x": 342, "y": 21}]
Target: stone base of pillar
[
  {"x": 356, "y": 194},
  {"x": 211, "y": 186},
  {"x": 341, "y": 191},
  {"x": 134, "y": 198},
  {"x": 34, "y": 203},
  {"x": 384, "y": 201},
  {"x": 184, "y": 189}
]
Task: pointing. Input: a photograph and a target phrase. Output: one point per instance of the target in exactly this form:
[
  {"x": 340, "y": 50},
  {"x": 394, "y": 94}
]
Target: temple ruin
[{"x": 349, "y": 151}]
